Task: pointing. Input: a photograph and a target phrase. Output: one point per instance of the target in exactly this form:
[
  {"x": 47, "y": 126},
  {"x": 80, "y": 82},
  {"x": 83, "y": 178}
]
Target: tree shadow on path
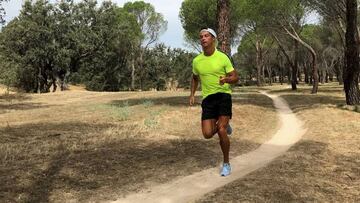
[
  {"x": 61, "y": 161},
  {"x": 309, "y": 172},
  {"x": 183, "y": 101}
]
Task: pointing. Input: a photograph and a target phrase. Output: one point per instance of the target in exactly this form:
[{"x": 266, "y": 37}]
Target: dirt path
[{"x": 192, "y": 187}]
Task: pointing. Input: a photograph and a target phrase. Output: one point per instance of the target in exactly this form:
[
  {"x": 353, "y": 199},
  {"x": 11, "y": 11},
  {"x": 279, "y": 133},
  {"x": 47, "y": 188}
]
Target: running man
[{"x": 215, "y": 72}]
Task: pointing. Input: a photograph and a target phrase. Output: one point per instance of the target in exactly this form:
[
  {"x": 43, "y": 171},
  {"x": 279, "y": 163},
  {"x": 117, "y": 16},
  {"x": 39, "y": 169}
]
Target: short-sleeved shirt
[{"x": 209, "y": 69}]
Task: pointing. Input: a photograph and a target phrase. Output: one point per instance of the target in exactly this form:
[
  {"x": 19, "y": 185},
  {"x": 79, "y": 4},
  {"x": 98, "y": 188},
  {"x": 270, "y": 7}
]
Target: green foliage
[
  {"x": 245, "y": 58},
  {"x": 181, "y": 67},
  {"x": 151, "y": 23},
  {"x": 28, "y": 42},
  {"x": 94, "y": 44},
  {"x": 332, "y": 11},
  {"x": 269, "y": 15},
  {"x": 96, "y": 83},
  {"x": 106, "y": 56},
  {"x": 8, "y": 73},
  {"x": 311, "y": 35},
  {"x": 197, "y": 14},
  {"x": 75, "y": 78},
  {"x": 164, "y": 66}
]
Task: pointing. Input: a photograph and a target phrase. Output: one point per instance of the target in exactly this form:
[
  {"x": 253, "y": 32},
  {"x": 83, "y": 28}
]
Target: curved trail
[{"x": 192, "y": 187}]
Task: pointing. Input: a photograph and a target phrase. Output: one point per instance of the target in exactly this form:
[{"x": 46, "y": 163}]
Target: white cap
[{"x": 211, "y": 31}]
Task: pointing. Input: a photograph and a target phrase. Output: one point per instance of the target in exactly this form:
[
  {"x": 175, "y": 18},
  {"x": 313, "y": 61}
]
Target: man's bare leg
[
  {"x": 209, "y": 128},
  {"x": 224, "y": 139}
]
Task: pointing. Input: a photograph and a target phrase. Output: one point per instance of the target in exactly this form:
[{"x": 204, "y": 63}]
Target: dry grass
[
  {"x": 323, "y": 167},
  {"x": 88, "y": 146}
]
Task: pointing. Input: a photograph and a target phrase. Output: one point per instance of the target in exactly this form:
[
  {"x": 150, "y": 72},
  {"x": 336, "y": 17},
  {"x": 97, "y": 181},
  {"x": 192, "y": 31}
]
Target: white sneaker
[{"x": 226, "y": 169}]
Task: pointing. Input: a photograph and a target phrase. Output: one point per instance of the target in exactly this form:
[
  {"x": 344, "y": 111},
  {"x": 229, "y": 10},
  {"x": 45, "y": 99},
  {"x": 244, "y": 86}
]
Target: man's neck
[{"x": 209, "y": 51}]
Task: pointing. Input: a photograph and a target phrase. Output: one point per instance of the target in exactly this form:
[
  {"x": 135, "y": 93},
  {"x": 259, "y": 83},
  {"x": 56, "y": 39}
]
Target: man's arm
[
  {"x": 231, "y": 78},
  {"x": 194, "y": 85}
]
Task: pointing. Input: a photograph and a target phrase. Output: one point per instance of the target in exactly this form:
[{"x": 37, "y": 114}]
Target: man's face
[{"x": 206, "y": 39}]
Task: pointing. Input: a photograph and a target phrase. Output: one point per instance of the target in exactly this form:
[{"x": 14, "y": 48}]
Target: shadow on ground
[
  {"x": 302, "y": 100},
  {"x": 307, "y": 102},
  {"x": 76, "y": 161},
  {"x": 183, "y": 101},
  {"x": 22, "y": 106},
  {"x": 309, "y": 172},
  {"x": 253, "y": 99},
  {"x": 180, "y": 101},
  {"x": 17, "y": 102},
  {"x": 11, "y": 97}
]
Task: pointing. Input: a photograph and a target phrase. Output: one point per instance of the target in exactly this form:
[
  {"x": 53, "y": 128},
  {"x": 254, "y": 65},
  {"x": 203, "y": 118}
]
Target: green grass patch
[
  {"x": 119, "y": 111},
  {"x": 148, "y": 103},
  {"x": 152, "y": 120}
]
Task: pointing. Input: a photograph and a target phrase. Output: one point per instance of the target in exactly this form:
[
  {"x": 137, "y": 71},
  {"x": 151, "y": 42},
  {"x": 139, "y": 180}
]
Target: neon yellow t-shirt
[{"x": 209, "y": 69}]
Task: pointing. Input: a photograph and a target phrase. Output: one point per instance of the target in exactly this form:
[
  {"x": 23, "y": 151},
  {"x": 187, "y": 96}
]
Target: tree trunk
[
  {"x": 281, "y": 71},
  {"x": 295, "y": 66},
  {"x": 315, "y": 76},
  {"x": 331, "y": 77},
  {"x": 289, "y": 76},
  {"x": 299, "y": 75},
  {"x": 306, "y": 72},
  {"x": 290, "y": 63},
  {"x": 223, "y": 18},
  {"x": 352, "y": 68},
  {"x": 39, "y": 80},
  {"x": 339, "y": 71},
  {"x": 263, "y": 70},
  {"x": 141, "y": 68},
  {"x": 321, "y": 76},
  {"x": 326, "y": 77},
  {"x": 282, "y": 76},
  {"x": 259, "y": 63},
  {"x": 269, "y": 72},
  {"x": 133, "y": 74}
]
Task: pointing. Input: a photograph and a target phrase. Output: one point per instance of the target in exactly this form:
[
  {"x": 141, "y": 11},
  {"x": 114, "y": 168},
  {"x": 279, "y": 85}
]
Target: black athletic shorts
[{"x": 216, "y": 105}]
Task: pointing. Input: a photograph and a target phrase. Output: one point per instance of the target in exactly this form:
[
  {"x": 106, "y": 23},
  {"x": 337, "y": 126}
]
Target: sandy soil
[
  {"x": 80, "y": 146},
  {"x": 192, "y": 187},
  {"x": 324, "y": 166}
]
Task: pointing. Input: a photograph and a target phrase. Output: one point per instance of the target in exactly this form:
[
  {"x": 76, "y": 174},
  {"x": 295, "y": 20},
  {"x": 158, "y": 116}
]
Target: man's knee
[
  {"x": 208, "y": 134},
  {"x": 222, "y": 129}
]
